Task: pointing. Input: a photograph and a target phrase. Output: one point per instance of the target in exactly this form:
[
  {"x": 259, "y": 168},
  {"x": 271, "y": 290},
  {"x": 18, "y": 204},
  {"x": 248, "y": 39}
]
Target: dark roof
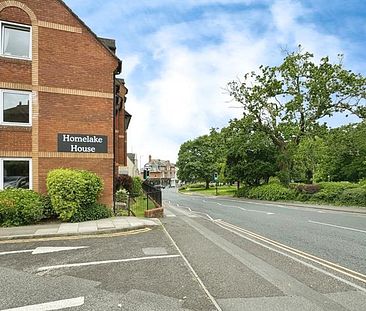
[
  {"x": 110, "y": 43},
  {"x": 132, "y": 157},
  {"x": 87, "y": 27}
]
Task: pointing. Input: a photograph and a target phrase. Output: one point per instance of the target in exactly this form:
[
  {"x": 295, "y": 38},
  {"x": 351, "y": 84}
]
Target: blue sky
[{"x": 178, "y": 56}]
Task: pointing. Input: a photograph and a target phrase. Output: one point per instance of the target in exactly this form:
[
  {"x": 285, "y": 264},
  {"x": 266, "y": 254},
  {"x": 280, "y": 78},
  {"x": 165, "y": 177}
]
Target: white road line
[
  {"x": 213, "y": 300},
  {"x": 253, "y": 236},
  {"x": 44, "y": 250},
  {"x": 255, "y": 211},
  {"x": 17, "y": 252},
  {"x": 54, "y": 305},
  {"x": 330, "y": 225},
  {"x": 94, "y": 263}
]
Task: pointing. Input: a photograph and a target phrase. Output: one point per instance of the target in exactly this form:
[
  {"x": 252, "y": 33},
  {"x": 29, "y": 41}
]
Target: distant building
[
  {"x": 161, "y": 172},
  {"x": 132, "y": 165}
]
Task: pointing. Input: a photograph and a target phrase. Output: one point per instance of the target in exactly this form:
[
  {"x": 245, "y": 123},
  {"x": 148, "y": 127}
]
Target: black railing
[{"x": 152, "y": 193}]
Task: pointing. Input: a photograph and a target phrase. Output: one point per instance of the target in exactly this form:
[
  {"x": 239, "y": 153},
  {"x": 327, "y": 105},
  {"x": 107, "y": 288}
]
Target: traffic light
[
  {"x": 216, "y": 176},
  {"x": 146, "y": 173}
]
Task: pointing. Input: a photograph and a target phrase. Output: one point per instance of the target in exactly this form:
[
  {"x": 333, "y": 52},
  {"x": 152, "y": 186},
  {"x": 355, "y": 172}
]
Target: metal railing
[{"x": 152, "y": 193}]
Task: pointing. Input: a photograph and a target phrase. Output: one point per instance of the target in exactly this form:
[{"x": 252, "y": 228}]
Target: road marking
[
  {"x": 54, "y": 305},
  {"x": 94, "y": 263},
  {"x": 341, "y": 227},
  {"x": 43, "y": 250},
  {"x": 213, "y": 300},
  {"x": 348, "y": 272},
  {"x": 77, "y": 237},
  {"x": 255, "y": 211}
]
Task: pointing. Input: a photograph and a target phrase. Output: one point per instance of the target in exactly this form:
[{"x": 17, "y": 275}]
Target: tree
[
  {"x": 251, "y": 155},
  {"x": 287, "y": 102},
  {"x": 197, "y": 160},
  {"x": 345, "y": 153}
]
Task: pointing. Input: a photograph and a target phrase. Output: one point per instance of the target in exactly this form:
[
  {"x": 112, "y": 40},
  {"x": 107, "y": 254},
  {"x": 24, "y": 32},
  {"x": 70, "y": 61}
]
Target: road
[
  {"x": 210, "y": 254},
  {"x": 268, "y": 256}
]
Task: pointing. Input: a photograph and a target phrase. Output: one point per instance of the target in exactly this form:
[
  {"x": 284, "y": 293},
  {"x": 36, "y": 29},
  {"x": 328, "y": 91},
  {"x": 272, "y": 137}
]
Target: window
[
  {"x": 15, "y": 40},
  {"x": 15, "y": 108},
  {"x": 15, "y": 173}
]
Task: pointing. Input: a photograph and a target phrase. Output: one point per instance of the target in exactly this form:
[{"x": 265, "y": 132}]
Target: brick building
[
  {"x": 161, "y": 172},
  {"x": 61, "y": 104}
]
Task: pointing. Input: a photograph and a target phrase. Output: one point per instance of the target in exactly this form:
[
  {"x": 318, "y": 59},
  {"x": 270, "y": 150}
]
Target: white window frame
[
  {"x": 3, "y": 24},
  {"x": 15, "y": 159},
  {"x": 2, "y": 91}
]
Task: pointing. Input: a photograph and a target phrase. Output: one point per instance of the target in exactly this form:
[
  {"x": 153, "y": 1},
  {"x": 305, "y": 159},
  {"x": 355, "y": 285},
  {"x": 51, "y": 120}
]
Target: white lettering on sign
[
  {"x": 76, "y": 148},
  {"x": 78, "y": 139}
]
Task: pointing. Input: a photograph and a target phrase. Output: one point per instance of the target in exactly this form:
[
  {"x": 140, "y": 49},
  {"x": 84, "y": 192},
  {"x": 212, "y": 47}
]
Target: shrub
[
  {"x": 71, "y": 190},
  {"x": 122, "y": 196},
  {"x": 48, "y": 210},
  {"x": 306, "y": 188},
  {"x": 92, "y": 212},
  {"x": 124, "y": 182},
  {"x": 353, "y": 196},
  {"x": 243, "y": 192},
  {"x": 330, "y": 192},
  {"x": 272, "y": 192},
  {"x": 136, "y": 187},
  {"x": 20, "y": 207},
  {"x": 196, "y": 186}
]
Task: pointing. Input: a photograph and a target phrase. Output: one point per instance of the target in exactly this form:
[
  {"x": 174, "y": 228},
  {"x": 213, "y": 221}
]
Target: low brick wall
[{"x": 155, "y": 213}]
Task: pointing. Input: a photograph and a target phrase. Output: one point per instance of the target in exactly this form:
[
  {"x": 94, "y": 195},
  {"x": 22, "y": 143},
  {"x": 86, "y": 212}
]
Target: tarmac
[{"x": 58, "y": 229}]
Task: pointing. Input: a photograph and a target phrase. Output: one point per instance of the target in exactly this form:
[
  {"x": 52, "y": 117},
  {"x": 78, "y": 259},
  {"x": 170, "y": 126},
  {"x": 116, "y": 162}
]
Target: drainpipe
[{"x": 115, "y": 73}]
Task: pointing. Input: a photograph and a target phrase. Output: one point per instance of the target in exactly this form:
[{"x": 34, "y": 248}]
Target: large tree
[
  {"x": 289, "y": 101},
  {"x": 251, "y": 155},
  {"x": 198, "y": 159}
]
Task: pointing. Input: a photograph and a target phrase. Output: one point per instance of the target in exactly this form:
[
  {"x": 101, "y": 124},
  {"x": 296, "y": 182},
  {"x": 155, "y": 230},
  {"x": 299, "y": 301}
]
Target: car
[{"x": 159, "y": 187}]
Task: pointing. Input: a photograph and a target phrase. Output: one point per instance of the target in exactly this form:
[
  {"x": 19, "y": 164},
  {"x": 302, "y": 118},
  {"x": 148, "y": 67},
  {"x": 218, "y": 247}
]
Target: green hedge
[
  {"x": 272, "y": 192},
  {"x": 20, "y": 207},
  {"x": 92, "y": 212},
  {"x": 330, "y": 192},
  {"x": 71, "y": 190}
]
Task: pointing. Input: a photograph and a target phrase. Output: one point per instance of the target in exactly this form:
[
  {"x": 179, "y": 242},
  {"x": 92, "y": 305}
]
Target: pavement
[{"x": 110, "y": 225}]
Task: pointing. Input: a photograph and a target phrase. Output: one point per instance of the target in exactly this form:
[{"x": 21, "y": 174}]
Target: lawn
[{"x": 221, "y": 190}]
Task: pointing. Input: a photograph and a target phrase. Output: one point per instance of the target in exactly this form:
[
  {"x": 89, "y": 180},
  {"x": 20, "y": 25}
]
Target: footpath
[{"x": 110, "y": 225}]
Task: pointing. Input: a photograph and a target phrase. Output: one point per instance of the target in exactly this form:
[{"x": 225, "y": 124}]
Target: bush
[
  {"x": 272, "y": 192},
  {"x": 353, "y": 196},
  {"x": 48, "y": 210},
  {"x": 92, "y": 212},
  {"x": 20, "y": 207},
  {"x": 122, "y": 196},
  {"x": 306, "y": 188},
  {"x": 124, "y": 182},
  {"x": 243, "y": 192},
  {"x": 136, "y": 187},
  {"x": 330, "y": 192},
  {"x": 71, "y": 190},
  {"x": 196, "y": 186}
]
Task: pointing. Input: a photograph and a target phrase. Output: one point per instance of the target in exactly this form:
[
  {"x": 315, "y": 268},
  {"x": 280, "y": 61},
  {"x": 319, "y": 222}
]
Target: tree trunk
[{"x": 207, "y": 184}]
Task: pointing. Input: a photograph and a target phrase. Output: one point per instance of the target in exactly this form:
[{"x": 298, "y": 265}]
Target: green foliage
[
  {"x": 48, "y": 210},
  {"x": 136, "y": 186},
  {"x": 306, "y": 188},
  {"x": 288, "y": 102},
  {"x": 251, "y": 155},
  {"x": 122, "y": 196},
  {"x": 71, "y": 190},
  {"x": 20, "y": 207},
  {"x": 91, "y": 212},
  {"x": 243, "y": 192},
  {"x": 353, "y": 196},
  {"x": 331, "y": 192},
  {"x": 272, "y": 192}
]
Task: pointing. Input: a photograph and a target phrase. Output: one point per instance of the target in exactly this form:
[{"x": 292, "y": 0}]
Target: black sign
[{"x": 82, "y": 143}]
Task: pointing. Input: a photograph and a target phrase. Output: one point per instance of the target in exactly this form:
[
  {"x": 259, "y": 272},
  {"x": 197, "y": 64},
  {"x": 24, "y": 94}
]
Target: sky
[{"x": 179, "y": 55}]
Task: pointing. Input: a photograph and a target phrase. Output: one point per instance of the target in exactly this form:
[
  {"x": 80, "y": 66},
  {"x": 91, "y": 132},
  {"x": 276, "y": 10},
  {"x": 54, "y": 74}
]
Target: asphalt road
[
  {"x": 210, "y": 254},
  {"x": 264, "y": 256}
]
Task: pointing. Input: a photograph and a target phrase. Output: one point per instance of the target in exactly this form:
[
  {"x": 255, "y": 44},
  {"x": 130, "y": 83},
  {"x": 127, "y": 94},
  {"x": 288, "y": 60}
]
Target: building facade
[
  {"x": 61, "y": 104},
  {"x": 161, "y": 172}
]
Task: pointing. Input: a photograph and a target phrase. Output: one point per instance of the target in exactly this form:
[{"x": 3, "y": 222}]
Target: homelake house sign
[{"x": 82, "y": 143}]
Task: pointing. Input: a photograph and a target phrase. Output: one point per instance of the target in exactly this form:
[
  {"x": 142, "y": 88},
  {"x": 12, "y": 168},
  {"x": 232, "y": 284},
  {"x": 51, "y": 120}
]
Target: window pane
[
  {"x": 16, "y": 174},
  {"x": 16, "y": 41},
  {"x": 16, "y": 107}
]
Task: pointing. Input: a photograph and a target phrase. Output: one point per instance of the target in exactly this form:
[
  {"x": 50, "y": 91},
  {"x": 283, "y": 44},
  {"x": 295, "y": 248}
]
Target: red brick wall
[{"x": 68, "y": 61}]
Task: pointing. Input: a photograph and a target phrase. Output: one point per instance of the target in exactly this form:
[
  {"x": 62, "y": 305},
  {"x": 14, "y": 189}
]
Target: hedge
[
  {"x": 91, "y": 212},
  {"x": 272, "y": 192},
  {"x": 71, "y": 190},
  {"x": 20, "y": 207}
]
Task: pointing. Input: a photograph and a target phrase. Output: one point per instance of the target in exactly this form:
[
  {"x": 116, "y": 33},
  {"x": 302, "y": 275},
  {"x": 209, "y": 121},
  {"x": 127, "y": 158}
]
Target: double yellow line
[{"x": 325, "y": 263}]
